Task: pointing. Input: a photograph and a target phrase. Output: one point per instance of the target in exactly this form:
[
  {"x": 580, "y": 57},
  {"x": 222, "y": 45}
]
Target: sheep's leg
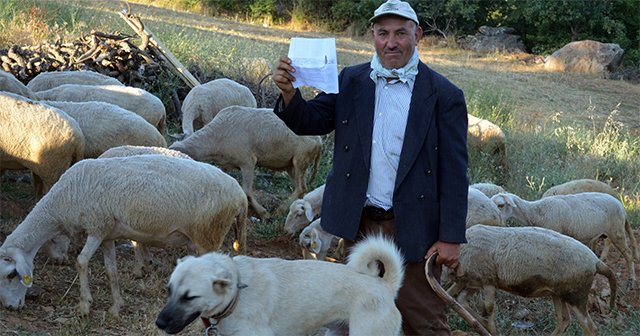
[
  {"x": 582, "y": 315},
  {"x": 109, "y": 254},
  {"x": 82, "y": 265},
  {"x": 562, "y": 315},
  {"x": 605, "y": 249},
  {"x": 38, "y": 185},
  {"x": 489, "y": 293},
  {"x": 142, "y": 259},
  {"x": 620, "y": 242},
  {"x": 297, "y": 174},
  {"x": 248, "y": 175}
]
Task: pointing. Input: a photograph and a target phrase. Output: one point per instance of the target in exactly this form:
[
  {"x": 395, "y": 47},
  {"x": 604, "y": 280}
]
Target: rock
[
  {"x": 586, "y": 57},
  {"x": 491, "y": 39}
]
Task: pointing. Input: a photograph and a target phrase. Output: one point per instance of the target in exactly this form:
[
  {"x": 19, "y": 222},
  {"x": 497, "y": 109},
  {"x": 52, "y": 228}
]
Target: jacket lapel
[
  {"x": 363, "y": 105},
  {"x": 421, "y": 109}
]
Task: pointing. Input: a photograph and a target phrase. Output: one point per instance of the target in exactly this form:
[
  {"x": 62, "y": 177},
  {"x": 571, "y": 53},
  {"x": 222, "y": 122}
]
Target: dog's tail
[{"x": 366, "y": 254}]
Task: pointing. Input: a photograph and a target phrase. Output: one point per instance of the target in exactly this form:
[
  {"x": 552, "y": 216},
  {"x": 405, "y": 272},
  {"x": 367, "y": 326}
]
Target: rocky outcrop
[
  {"x": 491, "y": 39},
  {"x": 586, "y": 57}
]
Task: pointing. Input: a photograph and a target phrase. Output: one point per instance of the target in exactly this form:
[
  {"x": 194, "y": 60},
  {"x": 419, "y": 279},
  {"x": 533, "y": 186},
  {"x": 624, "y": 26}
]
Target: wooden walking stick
[{"x": 448, "y": 299}]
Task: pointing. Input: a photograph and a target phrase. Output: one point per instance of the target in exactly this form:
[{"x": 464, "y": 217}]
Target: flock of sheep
[{"x": 101, "y": 167}]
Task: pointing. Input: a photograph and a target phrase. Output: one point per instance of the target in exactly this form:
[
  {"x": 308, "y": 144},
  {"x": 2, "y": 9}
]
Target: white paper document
[{"x": 315, "y": 62}]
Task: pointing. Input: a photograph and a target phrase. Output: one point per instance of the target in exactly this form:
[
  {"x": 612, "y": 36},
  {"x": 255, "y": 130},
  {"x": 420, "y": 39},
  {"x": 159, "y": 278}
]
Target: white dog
[{"x": 270, "y": 296}]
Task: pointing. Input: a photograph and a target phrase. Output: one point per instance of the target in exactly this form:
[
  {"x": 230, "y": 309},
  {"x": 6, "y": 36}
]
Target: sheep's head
[
  {"x": 300, "y": 214},
  {"x": 57, "y": 248},
  {"x": 505, "y": 203},
  {"x": 16, "y": 275}
]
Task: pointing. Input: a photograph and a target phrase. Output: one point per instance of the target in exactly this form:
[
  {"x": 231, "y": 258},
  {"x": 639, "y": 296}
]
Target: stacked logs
[{"x": 110, "y": 54}]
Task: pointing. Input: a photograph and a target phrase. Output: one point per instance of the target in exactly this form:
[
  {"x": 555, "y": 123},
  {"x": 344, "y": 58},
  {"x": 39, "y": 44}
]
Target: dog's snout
[
  {"x": 15, "y": 306},
  {"x": 162, "y": 322}
]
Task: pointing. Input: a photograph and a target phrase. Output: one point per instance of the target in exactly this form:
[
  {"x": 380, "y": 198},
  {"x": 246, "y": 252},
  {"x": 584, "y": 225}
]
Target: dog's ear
[
  {"x": 183, "y": 259},
  {"x": 220, "y": 286}
]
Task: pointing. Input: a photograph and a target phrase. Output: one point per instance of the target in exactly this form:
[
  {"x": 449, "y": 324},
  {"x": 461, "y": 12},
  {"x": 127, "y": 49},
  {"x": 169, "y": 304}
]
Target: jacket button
[
  {"x": 346, "y": 148},
  {"x": 428, "y": 172},
  {"x": 421, "y": 197},
  {"x": 435, "y": 148},
  {"x": 347, "y": 176},
  {"x": 344, "y": 122}
]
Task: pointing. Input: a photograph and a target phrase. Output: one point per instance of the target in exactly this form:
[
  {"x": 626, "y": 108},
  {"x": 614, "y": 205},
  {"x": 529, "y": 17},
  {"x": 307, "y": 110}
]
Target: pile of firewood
[{"x": 111, "y": 54}]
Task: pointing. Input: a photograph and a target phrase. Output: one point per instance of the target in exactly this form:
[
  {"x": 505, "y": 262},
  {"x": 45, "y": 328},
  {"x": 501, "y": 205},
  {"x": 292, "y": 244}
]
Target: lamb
[
  {"x": 242, "y": 137},
  {"x": 530, "y": 262},
  {"x": 128, "y": 150},
  {"x": 40, "y": 138},
  {"x": 133, "y": 99},
  {"x": 486, "y": 136},
  {"x": 107, "y": 125},
  {"x": 10, "y": 83},
  {"x": 48, "y": 80},
  {"x": 585, "y": 217},
  {"x": 579, "y": 186},
  {"x": 123, "y": 198},
  {"x": 315, "y": 242},
  {"x": 487, "y": 188},
  {"x": 204, "y": 102},
  {"x": 303, "y": 210},
  {"x": 481, "y": 210}
]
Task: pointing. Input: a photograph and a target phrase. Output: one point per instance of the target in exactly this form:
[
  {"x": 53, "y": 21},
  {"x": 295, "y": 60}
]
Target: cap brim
[{"x": 375, "y": 17}]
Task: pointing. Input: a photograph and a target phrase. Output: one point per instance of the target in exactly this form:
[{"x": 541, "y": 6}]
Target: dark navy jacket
[{"x": 430, "y": 196}]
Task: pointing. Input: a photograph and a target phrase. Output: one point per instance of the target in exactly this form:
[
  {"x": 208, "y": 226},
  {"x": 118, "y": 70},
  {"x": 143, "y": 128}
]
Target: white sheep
[
  {"x": 530, "y": 262},
  {"x": 487, "y": 137},
  {"x": 154, "y": 199},
  {"x": 579, "y": 186},
  {"x": 106, "y": 125},
  {"x": 9, "y": 83},
  {"x": 481, "y": 210},
  {"x": 586, "y": 217},
  {"x": 315, "y": 242},
  {"x": 487, "y": 188},
  {"x": 50, "y": 79},
  {"x": 204, "y": 102},
  {"x": 37, "y": 137},
  {"x": 133, "y": 99},
  {"x": 243, "y": 137},
  {"x": 128, "y": 150},
  {"x": 303, "y": 210}
]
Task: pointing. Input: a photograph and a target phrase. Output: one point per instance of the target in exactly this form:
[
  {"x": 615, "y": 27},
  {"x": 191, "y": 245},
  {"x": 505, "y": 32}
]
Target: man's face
[{"x": 395, "y": 39}]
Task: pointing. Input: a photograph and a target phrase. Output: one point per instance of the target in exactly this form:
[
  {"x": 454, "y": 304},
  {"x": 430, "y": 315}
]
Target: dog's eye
[{"x": 187, "y": 297}]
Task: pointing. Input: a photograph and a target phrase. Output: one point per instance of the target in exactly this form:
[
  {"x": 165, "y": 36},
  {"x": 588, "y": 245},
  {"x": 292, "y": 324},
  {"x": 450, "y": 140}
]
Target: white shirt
[{"x": 389, "y": 124}]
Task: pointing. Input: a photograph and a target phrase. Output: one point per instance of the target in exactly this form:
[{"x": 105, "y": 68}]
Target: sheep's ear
[
  {"x": 316, "y": 243},
  {"x": 308, "y": 211},
  {"x": 25, "y": 271},
  {"x": 509, "y": 199}
]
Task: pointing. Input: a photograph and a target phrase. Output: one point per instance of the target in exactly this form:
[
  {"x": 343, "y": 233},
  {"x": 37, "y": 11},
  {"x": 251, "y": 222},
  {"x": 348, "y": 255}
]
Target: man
[{"x": 400, "y": 157}]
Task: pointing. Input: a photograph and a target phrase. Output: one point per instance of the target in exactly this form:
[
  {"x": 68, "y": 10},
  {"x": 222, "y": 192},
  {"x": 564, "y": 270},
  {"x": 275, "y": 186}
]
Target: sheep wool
[{"x": 50, "y": 79}]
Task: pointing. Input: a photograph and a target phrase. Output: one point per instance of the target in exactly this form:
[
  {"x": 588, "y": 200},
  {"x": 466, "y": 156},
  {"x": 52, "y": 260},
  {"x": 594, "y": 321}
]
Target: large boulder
[
  {"x": 586, "y": 57},
  {"x": 491, "y": 39}
]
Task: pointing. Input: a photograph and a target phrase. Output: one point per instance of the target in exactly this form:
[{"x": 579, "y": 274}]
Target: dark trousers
[{"x": 423, "y": 312}]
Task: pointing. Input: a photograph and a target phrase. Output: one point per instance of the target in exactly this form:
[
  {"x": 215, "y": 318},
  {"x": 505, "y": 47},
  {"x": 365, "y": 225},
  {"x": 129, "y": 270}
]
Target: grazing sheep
[
  {"x": 487, "y": 137},
  {"x": 488, "y": 189},
  {"x": 315, "y": 242},
  {"x": 585, "y": 216},
  {"x": 481, "y": 210},
  {"x": 204, "y": 102},
  {"x": 48, "y": 80},
  {"x": 128, "y": 150},
  {"x": 530, "y": 262},
  {"x": 107, "y": 125},
  {"x": 241, "y": 137},
  {"x": 303, "y": 210},
  {"x": 579, "y": 186},
  {"x": 133, "y": 99},
  {"x": 154, "y": 199},
  {"x": 37, "y": 137},
  {"x": 9, "y": 83}
]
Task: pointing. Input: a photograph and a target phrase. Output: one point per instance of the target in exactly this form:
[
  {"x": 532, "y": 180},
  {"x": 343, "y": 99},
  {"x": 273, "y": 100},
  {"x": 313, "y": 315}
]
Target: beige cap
[{"x": 395, "y": 7}]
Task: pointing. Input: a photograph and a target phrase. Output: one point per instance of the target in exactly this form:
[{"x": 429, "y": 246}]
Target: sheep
[
  {"x": 128, "y": 150},
  {"x": 530, "y": 262},
  {"x": 48, "y": 80},
  {"x": 154, "y": 199},
  {"x": 579, "y": 186},
  {"x": 204, "y": 102},
  {"x": 242, "y": 137},
  {"x": 133, "y": 99},
  {"x": 315, "y": 241},
  {"x": 488, "y": 189},
  {"x": 303, "y": 210},
  {"x": 585, "y": 217},
  {"x": 481, "y": 210},
  {"x": 107, "y": 125},
  {"x": 485, "y": 136},
  {"x": 10, "y": 83},
  {"x": 37, "y": 137}
]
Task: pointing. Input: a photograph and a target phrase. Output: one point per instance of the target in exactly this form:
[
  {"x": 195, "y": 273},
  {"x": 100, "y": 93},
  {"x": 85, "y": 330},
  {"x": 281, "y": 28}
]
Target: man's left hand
[{"x": 448, "y": 253}]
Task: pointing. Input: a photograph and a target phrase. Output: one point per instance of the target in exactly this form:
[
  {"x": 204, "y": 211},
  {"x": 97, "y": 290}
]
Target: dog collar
[{"x": 211, "y": 323}]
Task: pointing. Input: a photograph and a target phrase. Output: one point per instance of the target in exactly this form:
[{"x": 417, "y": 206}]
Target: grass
[{"x": 558, "y": 127}]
